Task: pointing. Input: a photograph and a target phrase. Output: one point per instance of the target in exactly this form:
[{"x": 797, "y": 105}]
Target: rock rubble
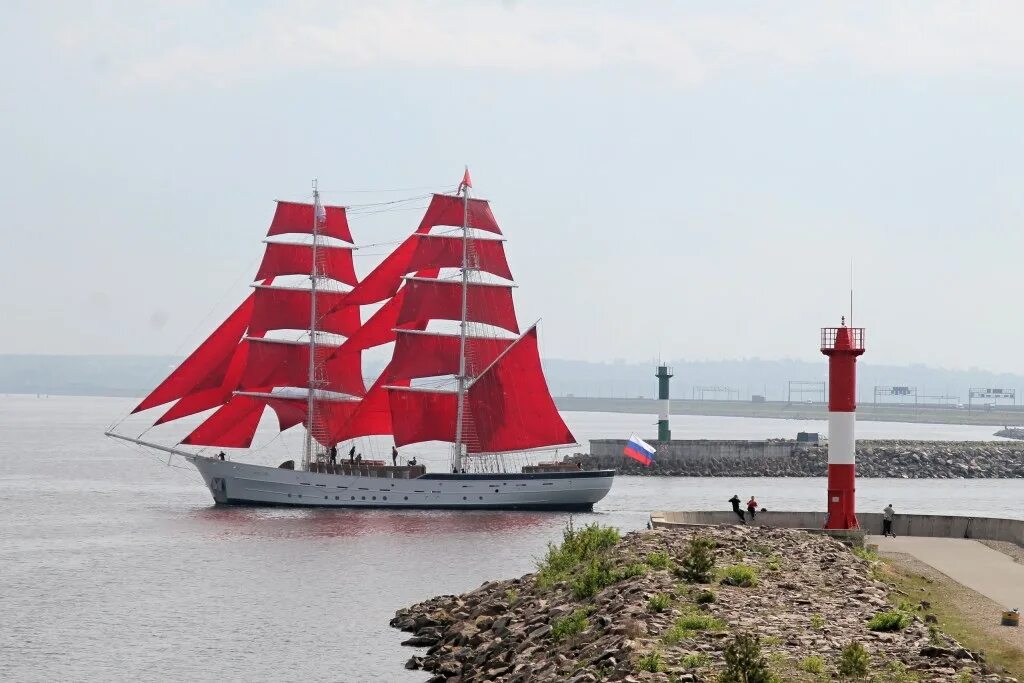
[{"x": 813, "y": 597}]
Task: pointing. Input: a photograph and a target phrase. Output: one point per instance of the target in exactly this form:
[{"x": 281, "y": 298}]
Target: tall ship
[{"x": 461, "y": 372}]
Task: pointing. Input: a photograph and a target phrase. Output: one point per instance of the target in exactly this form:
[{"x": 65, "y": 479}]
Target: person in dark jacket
[
  {"x": 394, "y": 456},
  {"x": 888, "y": 514},
  {"x": 334, "y": 454},
  {"x": 735, "y": 500},
  {"x": 352, "y": 454}
]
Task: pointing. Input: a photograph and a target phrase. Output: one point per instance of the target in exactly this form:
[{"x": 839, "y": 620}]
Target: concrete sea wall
[
  {"x": 788, "y": 458},
  {"x": 941, "y": 526}
]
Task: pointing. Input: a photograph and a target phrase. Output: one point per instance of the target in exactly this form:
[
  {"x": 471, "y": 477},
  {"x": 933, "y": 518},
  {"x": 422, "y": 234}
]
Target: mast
[
  {"x": 307, "y": 452},
  {"x": 461, "y": 391}
]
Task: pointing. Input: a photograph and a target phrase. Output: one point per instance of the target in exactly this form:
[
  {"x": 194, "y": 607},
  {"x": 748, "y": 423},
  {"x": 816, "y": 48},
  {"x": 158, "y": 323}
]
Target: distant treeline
[{"x": 135, "y": 375}]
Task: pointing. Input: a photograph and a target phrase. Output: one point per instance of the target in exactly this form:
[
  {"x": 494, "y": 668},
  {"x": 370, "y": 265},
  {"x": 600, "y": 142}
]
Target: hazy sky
[{"x": 689, "y": 179}]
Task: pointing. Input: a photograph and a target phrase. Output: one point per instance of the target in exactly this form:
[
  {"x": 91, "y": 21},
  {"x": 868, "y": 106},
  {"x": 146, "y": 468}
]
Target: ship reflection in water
[{"x": 343, "y": 523}]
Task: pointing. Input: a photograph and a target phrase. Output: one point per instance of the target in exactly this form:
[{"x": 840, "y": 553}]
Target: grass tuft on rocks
[
  {"x": 597, "y": 574},
  {"x": 689, "y": 625},
  {"x": 579, "y": 546},
  {"x": 695, "y": 661},
  {"x": 659, "y": 559},
  {"x": 866, "y": 554},
  {"x": 813, "y": 664},
  {"x": 659, "y": 602},
  {"x": 890, "y": 620},
  {"x": 570, "y": 625},
  {"x": 705, "y": 597},
  {"x": 739, "y": 575},
  {"x": 651, "y": 662}
]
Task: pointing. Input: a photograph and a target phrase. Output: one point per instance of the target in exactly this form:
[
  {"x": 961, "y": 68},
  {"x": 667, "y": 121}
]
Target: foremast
[{"x": 457, "y": 454}]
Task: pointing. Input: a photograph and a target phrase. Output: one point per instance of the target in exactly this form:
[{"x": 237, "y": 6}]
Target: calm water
[{"x": 114, "y": 566}]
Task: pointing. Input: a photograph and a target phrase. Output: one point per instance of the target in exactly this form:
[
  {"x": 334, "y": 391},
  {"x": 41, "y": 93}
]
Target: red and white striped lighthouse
[{"x": 842, "y": 345}]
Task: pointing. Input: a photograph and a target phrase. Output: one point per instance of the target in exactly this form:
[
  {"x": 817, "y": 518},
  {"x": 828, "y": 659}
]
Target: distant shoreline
[{"x": 1008, "y": 417}]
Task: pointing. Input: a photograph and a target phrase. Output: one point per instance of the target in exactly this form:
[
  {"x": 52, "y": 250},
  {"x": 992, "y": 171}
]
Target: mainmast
[
  {"x": 461, "y": 391},
  {"x": 307, "y": 453}
]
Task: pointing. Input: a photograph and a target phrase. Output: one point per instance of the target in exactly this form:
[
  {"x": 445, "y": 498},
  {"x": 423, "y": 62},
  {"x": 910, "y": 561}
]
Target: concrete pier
[{"x": 929, "y": 526}]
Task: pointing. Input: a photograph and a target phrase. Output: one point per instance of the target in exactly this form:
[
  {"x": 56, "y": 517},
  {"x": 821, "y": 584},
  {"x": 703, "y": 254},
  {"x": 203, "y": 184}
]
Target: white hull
[{"x": 245, "y": 484}]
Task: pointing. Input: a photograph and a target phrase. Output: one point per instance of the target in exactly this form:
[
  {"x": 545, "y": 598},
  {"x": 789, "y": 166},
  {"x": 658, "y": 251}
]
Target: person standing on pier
[
  {"x": 752, "y": 507},
  {"x": 887, "y": 516},
  {"x": 735, "y": 500}
]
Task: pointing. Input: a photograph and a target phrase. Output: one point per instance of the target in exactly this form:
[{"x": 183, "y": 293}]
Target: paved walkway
[{"x": 980, "y": 568}]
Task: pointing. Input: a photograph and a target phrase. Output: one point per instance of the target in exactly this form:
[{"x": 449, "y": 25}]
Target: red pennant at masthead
[{"x": 466, "y": 180}]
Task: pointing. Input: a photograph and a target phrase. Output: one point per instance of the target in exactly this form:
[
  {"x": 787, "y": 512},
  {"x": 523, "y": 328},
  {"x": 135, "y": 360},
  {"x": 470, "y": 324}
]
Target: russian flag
[{"x": 639, "y": 450}]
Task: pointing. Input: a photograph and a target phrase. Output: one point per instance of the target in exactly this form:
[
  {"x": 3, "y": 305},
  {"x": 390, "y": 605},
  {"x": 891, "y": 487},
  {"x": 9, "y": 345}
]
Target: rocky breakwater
[
  {"x": 891, "y": 459},
  {"x": 1011, "y": 433},
  {"x": 724, "y": 604}
]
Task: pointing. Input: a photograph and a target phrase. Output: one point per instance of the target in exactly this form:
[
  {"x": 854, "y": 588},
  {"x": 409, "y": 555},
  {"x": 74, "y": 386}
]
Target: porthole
[
  {"x": 385, "y": 497},
  {"x": 463, "y": 498},
  {"x": 353, "y": 497},
  {"x": 362, "y": 497},
  {"x": 325, "y": 497},
  {"x": 374, "y": 497},
  {"x": 335, "y": 498},
  {"x": 289, "y": 495},
  {"x": 481, "y": 497},
  {"x": 407, "y": 497}
]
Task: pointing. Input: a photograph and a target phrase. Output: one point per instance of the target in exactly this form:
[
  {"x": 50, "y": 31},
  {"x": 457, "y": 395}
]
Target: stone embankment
[
  {"x": 1011, "y": 433},
  {"x": 633, "y": 611},
  {"x": 893, "y": 459}
]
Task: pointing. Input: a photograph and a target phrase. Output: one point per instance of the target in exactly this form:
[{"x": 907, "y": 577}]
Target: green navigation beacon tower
[{"x": 664, "y": 374}]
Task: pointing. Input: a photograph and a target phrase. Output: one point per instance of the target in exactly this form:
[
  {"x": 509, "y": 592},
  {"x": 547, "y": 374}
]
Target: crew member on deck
[
  {"x": 221, "y": 455},
  {"x": 359, "y": 458},
  {"x": 352, "y": 453},
  {"x": 412, "y": 463},
  {"x": 394, "y": 456},
  {"x": 334, "y": 454}
]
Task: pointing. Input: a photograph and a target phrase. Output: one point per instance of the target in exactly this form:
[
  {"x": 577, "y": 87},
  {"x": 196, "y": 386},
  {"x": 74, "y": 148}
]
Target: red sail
[
  {"x": 297, "y": 259},
  {"x": 205, "y": 399},
  {"x": 287, "y": 308},
  {"x": 293, "y": 217},
  {"x": 232, "y": 426},
  {"x": 206, "y": 366},
  {"x": 430, "y": 355},
  {"x": 384, "y": 280},
  {"x": 373, "y": 416},
  {"x": 511, "y": 406},
  {"x": 422, "y": 415},
  {"x": 379, "y": 329},
  {"x": 446, "y": 209},
  {"x": 331, "y": 413},
  {"x": 274, "y": 363},
  {"x": 445, "y": 251},
  {"x": 442, "y": 300}
]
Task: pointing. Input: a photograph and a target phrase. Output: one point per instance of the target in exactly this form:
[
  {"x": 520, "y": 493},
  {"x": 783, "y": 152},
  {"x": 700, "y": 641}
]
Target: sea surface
[{"x": 115, "y": 565}]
